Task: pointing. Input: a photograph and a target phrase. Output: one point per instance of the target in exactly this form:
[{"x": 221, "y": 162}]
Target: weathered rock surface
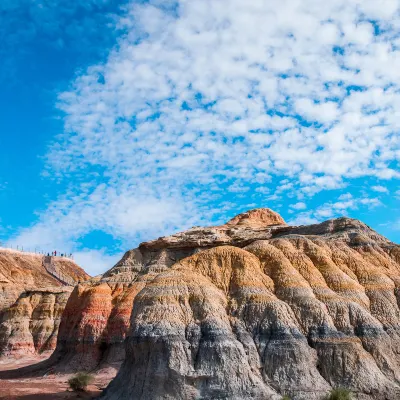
[
  {"x": 257, "y": 218},
  {"x": 250, "y": 310},
  {"x": 32, "y": 298},
  {"x": 31, "y": 324}
]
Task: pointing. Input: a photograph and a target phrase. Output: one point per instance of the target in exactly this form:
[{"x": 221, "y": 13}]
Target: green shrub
[
  {"x": 339, "y": 394},
  {"x": 285, "y": 398},
  {"x": 80, "y": 381}
]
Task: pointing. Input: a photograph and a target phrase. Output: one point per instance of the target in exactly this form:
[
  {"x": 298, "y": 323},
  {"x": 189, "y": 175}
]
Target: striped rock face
[
  {"x": 247, "y": 311},
  {"x": 32, "y": 300},
  {"x": 31, "y": 324}
]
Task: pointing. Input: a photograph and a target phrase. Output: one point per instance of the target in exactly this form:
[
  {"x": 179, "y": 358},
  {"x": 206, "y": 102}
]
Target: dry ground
[{"x": 48, "y": 387}]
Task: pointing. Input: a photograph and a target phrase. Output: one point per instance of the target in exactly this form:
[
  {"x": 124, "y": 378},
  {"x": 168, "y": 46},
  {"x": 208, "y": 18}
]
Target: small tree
[
  {"x": 80, "y": 381},
  {"x": 339, "y": 394}
]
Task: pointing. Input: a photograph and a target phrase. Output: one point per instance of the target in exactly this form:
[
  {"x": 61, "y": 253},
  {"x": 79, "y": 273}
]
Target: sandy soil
[{"x": 48, "y": 387}]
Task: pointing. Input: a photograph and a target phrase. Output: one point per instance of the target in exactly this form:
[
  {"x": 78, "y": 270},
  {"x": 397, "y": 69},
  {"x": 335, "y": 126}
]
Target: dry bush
[{"x": 80, "y": 381}]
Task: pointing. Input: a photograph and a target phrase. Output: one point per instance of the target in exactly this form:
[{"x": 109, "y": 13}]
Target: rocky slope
[
  {"x": 33, "y": 295},
  {"x": 251, "y": 309}
]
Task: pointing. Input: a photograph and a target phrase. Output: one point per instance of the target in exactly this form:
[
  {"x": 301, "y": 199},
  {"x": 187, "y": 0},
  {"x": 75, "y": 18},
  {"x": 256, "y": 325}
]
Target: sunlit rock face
[
  {"x": 249, "y": 310},
  {"x": 32, "y": 300},
  {"x": 257, "y": 218}
]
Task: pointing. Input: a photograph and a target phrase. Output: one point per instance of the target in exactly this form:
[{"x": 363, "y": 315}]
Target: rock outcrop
[
  {"x": 33, "y": 296},
  {"x": 257, "y": 218},
  {"x": 254, "y": 309},
  {"x": 31, "y": 324}
]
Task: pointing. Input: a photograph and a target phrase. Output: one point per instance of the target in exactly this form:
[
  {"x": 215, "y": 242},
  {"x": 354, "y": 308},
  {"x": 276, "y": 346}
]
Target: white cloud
[
  {"x": 299, "y": 206},
  {"x": 303, "y": 219},
  {"x": 333, "y": 209},
  {"x": 95, "y": 261},
  {"x": 225, "y": 93},
  {"x": 322, "y": 112},
  {"x": 380, "y": 189},
  {"x": 370, "y": 202},
  {"x": 345, "y": 196}
]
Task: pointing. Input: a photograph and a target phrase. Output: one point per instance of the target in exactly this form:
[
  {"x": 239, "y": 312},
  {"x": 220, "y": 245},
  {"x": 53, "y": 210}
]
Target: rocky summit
[
  {"x": 34, "y": 290},
  {"x": 253, "y": 309}
]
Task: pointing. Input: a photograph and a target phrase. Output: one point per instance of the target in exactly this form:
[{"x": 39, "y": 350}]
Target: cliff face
[
  {"x": 33, "y": 295},
  {"x": 97, "y": 317},
  {"x": 31, "y": 324},
  {"x": 245, "y": 310}
]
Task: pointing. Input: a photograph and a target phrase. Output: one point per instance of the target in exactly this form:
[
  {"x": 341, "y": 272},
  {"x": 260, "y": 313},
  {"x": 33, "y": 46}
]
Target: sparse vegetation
[
  {"x": 339, "y": 394},
  {"x": 80, "y": 381},
  {"x": 285, "y": 398}
]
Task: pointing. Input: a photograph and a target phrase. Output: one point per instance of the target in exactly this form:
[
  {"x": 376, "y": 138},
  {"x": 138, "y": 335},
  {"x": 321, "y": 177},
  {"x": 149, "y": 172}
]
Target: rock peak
[{"x": 257, "y": 218}]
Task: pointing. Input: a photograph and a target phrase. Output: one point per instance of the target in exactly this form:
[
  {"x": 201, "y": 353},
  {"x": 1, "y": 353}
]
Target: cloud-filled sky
[{"x": 123, "y": 123}]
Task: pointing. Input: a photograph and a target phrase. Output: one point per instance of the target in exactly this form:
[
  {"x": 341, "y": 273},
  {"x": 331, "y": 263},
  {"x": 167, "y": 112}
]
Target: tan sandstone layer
[
  {"x": 33, "y": 295},
  {"x": 252, "y": 309}
]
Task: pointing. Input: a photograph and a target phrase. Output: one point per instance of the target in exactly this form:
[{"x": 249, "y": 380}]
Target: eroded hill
[
  {"x": 33, "y": 293},
  {"x": 251, "y": 309}
]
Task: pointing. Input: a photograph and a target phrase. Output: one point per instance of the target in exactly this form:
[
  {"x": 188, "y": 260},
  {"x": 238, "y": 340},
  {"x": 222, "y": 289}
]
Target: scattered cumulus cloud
[
  {"x": 299, "y": 206},
  {"x": 333, "y": 209},
  {"x": 202, "y": 100},
  {"x": 380, "y": 189},
  {"x": 345, "y": 196}
]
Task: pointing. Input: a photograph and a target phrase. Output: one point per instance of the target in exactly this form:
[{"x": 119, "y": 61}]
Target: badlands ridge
[{"x": 253, "y": 309}]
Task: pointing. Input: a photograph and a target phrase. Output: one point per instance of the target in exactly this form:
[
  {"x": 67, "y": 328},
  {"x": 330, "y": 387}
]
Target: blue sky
[{"x": 124, "y": 121}]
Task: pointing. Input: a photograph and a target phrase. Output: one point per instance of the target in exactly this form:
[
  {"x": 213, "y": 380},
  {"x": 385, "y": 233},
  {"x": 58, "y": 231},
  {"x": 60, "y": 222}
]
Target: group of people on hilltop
[{"x": 54, "y": 254}]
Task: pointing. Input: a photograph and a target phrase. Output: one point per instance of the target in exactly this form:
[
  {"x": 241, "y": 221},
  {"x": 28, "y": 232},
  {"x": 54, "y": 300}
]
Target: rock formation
[
  {"x": 33, "y": 293},
  {"x": 257, "y": 218},
  {"x": 253, "y": 309}
]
